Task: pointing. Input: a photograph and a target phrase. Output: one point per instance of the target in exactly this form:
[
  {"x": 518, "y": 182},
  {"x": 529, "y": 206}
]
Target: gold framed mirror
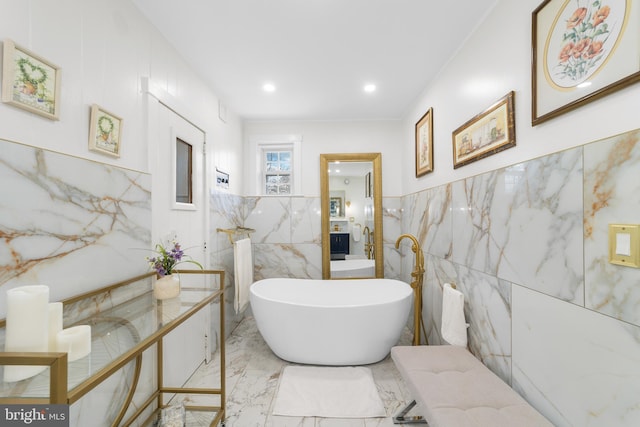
[{"x": 351, "y": 215}]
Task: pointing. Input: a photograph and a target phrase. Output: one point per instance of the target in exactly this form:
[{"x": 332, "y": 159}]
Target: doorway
[{"x": 177, "y": 162}]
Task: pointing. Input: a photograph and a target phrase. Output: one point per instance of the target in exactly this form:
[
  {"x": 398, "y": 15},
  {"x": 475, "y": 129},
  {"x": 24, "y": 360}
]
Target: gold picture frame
[
  {"x": 30, "y": 82},
  {"x": 488, "y": 133},
  {"x": 582, "y": 50},
  {"x": 424, "y": 144},
  {"x": 105, "y": 131}
]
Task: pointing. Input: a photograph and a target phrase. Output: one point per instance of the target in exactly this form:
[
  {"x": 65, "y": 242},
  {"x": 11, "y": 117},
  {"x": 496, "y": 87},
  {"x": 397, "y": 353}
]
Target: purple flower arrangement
[{"x": 168, "y": 258}]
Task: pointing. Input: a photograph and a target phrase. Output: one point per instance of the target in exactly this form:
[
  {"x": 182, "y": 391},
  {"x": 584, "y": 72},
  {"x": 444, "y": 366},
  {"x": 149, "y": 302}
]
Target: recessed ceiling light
[
  {"x": 369, "y": 88},
  {"x": 269, "y": 87}
]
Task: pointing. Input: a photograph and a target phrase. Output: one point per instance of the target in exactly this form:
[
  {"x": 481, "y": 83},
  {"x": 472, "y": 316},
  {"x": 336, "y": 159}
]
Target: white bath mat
[{"x": 328, "y": 392}]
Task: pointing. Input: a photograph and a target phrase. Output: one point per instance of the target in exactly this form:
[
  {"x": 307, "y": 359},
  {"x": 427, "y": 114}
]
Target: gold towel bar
[{"x": 234, "y": 231}]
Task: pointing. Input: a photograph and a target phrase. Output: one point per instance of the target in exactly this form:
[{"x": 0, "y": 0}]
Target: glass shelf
[{"x": 120, "y": 334}]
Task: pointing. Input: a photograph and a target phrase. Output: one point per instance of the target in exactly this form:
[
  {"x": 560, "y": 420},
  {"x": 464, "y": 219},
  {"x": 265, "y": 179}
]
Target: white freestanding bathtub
[{"x": 331, "y": 322}]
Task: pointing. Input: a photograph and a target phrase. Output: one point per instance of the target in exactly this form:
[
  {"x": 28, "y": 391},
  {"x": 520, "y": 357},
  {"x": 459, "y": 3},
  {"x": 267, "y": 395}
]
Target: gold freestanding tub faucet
[
  {"x": 417, "y": 276},
  {"x": 368, "y": 246}
]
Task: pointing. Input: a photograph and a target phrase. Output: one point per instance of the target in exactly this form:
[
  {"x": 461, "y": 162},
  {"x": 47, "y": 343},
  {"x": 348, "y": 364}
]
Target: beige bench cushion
[{"x": 456, "y": 390}]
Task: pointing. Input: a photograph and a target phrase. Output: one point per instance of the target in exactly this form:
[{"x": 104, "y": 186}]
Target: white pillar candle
[
  {"x": 55, "y": 323},
  {"x": 75, "y": 341},
  {"x": 26, "y": 327}
]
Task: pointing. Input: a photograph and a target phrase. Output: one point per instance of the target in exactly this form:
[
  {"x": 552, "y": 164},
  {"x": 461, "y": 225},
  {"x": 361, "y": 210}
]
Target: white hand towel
[
  {"x": 454, "y": 327},
  {"x": 356, "y": 232},
  {"x": 243, "y": 271}
]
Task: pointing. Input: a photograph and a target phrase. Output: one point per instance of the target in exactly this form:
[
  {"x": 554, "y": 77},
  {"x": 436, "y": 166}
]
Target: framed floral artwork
[
  {"x": 105, "y": 130},
  {"x": 488, "y": 133},
  {"x": 582, "y": 51},
  {"x": 424, "y": 144},
  {"x": 30, "y": 82}
]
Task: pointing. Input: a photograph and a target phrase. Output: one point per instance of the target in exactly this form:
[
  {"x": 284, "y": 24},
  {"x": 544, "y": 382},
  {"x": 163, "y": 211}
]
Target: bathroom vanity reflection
[{"x": 351, "y": 199}]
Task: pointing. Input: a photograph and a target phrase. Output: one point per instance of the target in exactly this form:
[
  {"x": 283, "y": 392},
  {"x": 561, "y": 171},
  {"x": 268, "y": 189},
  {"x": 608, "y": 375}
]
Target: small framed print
[
  {"x": 486, "y": 134},
  {"x": 105, "y": 131},
  {"x": 30, "y": 82},
  {"x": 424, "y": 144},
  {"x": 335, "y": 207},
  {"x": 222, "y": 179}
]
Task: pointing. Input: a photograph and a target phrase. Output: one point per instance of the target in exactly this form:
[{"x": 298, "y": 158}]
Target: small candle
[
  {"x": 75, "y": 341},
  {"x": 27, "y": 327},
  {"x": 55, "y": 323}
]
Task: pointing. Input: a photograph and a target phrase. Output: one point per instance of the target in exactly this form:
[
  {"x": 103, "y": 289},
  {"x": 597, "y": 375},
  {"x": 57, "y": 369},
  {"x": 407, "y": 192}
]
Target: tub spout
[{"x": 417, "y": 277}]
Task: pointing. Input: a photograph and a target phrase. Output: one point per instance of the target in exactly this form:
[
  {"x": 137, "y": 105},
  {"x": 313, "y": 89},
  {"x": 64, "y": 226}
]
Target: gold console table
[{"x": 159, "y": 319}]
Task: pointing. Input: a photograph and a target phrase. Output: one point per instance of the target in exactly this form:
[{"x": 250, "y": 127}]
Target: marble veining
[
  {"x": 391, "y": 219},
  {"x": 303, "y": 261},
  {"x": 524, "y": 224},
  {"x": 428, "y": 215},
  {"x": 65, "y": 219},
  {"x": 611, "y": 196},
  {"x": 487, "y": 310},
  {"x": 270, "y": 217},
  {"x": 225, "y": 211},
  {"x": 305, "y": 220},
  {"x": 578, "y": 367}
]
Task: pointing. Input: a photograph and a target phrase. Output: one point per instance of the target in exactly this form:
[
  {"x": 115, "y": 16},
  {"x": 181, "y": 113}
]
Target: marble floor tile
[{"x": 252, "y": 378}]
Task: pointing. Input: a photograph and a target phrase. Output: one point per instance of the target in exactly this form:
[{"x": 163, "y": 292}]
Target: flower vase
[{"x": 167, "y": 287}]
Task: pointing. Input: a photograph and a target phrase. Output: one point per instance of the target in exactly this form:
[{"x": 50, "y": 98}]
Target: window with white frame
[{"x": 277, "y": 166}]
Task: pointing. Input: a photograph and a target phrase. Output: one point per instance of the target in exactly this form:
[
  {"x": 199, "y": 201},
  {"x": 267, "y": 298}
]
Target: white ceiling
[{"x": 318, "y": 53}]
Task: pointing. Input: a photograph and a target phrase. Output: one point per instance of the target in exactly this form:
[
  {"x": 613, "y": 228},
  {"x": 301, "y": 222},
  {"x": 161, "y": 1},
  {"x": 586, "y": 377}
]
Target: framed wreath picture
[
  {"x": 30, "y": 82},
  {"x": 424, "y": 144},
  {"x": 582, "y": 50},
  {"x": 105, "y": 131},
  {"x": 488, "y": 133}
]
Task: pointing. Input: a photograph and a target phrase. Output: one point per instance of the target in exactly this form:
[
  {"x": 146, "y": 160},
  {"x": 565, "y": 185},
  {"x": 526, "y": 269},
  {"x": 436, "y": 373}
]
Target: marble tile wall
[
  {"x": 392, "y": 229},
  {"x": 74, "y": 225},
  {"x": 528, "y": 247},
  {"x": 288, "y": 238},
  {"x": 287, "y": 241},
  {"x": 611, "y": 196},
  {"x": 225, "y": 211},
  {"x": 69, "y": 223}
]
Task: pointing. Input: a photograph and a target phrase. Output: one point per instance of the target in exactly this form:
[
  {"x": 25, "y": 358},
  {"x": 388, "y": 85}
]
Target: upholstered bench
[{"x": 454, "y": 389}]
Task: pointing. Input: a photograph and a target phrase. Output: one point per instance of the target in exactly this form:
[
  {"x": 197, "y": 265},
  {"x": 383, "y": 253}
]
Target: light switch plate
[{"x": 624, "y": 244}]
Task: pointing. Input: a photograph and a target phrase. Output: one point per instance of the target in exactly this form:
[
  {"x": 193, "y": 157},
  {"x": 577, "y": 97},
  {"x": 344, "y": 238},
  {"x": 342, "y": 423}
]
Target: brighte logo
[
  {"x": 27, "y": 416},
  {"x": 34, "y": 415}
]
